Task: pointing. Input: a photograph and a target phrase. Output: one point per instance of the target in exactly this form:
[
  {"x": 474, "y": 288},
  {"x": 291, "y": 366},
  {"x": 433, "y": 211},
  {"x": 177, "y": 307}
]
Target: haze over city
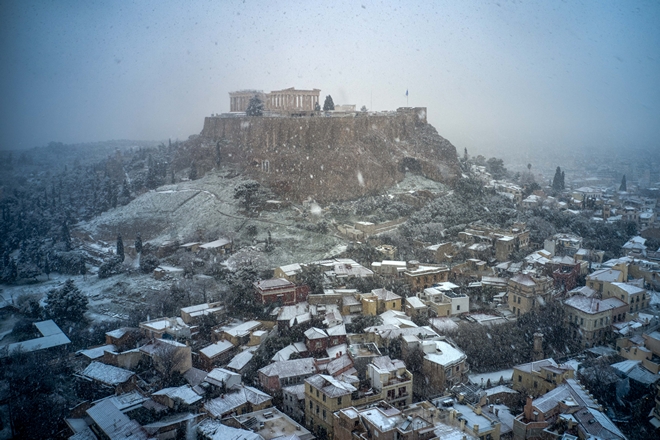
[{"x": 494, "y": 76}]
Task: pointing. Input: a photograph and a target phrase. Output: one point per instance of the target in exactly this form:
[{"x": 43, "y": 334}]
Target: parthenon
[{"x": 278, "y": 100}]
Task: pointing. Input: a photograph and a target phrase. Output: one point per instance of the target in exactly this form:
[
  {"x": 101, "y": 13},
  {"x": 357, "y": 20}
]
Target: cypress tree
[
  {"x": 624, "y": 186},
  {"x": 138, "y": 243},
  {"x": 329, "y": 104},
  {"x": 120, "y": 248}
]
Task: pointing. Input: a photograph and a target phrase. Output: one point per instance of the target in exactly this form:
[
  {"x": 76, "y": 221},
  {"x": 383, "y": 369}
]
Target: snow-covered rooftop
[{"x": 107, "y": 374}]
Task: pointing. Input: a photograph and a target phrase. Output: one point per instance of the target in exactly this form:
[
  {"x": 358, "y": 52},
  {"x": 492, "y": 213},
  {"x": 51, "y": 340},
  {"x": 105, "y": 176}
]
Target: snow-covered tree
[
  {"x": 67, "y": 302},
  {"x": 247, "y": 192},
  {"x": 328, "y": 104},
  {"x": 255, "y": 107}
]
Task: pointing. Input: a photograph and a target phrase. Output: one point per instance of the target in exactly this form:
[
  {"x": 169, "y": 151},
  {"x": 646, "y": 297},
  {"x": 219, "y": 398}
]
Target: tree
[
  {"x": 47, "y": 267},
  {"x": 317, "y": 107},
  {"x": 218, "y": 157},
  {"x": 558, "y": 180},
  {"x": 364, "y": 109},
  {"x": 255, "y": 107},
  {"x": 192, "y": 175},
  {"x": 624, "y": 186},
  {"x": 66, "y": 237},
  {"x": 359, "y": 323},
  {"x": 311, "y": 275},
  {"x": 138, "y": 243},
  {"x": 328, "y": 104},
  {"x": 120, "y": 248},
  {"x": 496, "y": 168},
  {"x": 246, "y": 192},
  {"x": 67, "y": 303}
]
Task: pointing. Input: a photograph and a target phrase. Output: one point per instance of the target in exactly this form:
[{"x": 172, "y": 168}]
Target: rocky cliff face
[{"x": 333, "y": 158}]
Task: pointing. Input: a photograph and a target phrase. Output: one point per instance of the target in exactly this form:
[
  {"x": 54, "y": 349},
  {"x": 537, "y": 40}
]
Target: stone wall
[{"x": 333, "y": 158}]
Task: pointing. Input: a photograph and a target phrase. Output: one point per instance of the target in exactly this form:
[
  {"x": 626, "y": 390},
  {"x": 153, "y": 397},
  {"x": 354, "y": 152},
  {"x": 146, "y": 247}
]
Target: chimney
[{"x": 477, "y": 410}]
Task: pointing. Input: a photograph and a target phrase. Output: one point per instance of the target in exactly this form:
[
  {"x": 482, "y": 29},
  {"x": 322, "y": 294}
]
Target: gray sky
[{"x": 494, "y": 76}]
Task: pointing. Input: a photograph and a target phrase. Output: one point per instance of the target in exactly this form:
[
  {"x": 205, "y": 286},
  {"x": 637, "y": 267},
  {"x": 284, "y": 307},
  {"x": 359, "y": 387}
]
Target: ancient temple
[{"x": 278, "y": 100}]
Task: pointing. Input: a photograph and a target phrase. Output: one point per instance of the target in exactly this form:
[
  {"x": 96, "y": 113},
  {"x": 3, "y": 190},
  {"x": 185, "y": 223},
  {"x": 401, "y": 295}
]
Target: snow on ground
[{"x": 184, "y": 210}]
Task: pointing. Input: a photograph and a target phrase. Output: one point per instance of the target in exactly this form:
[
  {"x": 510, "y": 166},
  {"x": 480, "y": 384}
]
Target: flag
[{"x": 406, "y": 92}]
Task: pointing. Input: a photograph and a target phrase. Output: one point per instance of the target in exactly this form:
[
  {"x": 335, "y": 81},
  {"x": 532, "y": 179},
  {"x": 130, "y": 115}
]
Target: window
[
  {"x": 311, "y": 405},
  {"x": 536, "y": 384},
  {"x": 324, "y": 397},
  {"x": 323, "y": 414},
  {"x": 458, "y": 307},
  {"x": 519, "y": 378},
  {"x": 338, "y": 400},
  {"x": 317, "y": 409}
]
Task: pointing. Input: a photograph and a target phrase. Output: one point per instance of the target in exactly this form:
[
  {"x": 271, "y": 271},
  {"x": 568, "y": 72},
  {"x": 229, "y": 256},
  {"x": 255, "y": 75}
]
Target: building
[
  {"x": 569, "y": 408},
  {"x": 629, "y": 293},
  {"x": 415, "y": 308},
  {"x": 318, "y": 340},
  {"x": 239, "y": 334},
  {"x": 192, "y": 314},
  {"x": 419, "y": 421},
  {"x": 168, "y": 356},
  {"x": 281, "y": 291},
  {"x": 444, "y": 299},
  {"x": 424, "y": 276},
  {"x": 599, "y": 278},
  {"x": 216, "y": 354},
  {"x": 496, "y": 242},
  {"x": 275, "y": 376},
  {"x": 563, "y": 244},
  {"x": 286, "y": 100},
  {"x": 591, "y": 318},
  {"x": 239, "y": 400},
  {"x": 269, "y": 424},
  {"x": 389, "y": 268},
  {"x": 325, "y": 395},
  {"x": 526, "y": 292},
  {"x": 174, "y": 328},
  {"x": 52, "y": 337},
  {"x": 391, "y": 380},
  {"x": 539, "y": 377},
  {"x": 379, "y": 301},
  {"x": 444, "y": 364}
]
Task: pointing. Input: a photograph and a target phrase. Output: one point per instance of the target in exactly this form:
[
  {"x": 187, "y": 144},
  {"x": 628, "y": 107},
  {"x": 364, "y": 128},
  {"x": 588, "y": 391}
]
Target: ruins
[{"x": 278, "y": 100}]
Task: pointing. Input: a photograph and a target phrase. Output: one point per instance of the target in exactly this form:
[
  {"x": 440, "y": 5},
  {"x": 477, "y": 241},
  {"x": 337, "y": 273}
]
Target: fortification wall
[{"x": 333, "y": 158}]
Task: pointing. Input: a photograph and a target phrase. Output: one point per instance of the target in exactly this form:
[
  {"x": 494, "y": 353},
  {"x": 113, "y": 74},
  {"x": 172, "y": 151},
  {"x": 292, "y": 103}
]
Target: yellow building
[
  {"x": 324, "y": 395},
  {"x": 633, "y": 295},
  {"x": 591, "y": 318},
  {"x": 599, "y": 278},
  {"x": 379, "y": 301},
  {"x": 421, "y": 277},
  {"x": 539, "y": 377},
  {"x": 526, "y": 292}
]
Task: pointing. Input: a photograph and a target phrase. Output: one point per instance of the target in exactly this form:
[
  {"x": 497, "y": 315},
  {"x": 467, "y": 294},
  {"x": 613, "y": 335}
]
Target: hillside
[{"x": 325, "y": 158}]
